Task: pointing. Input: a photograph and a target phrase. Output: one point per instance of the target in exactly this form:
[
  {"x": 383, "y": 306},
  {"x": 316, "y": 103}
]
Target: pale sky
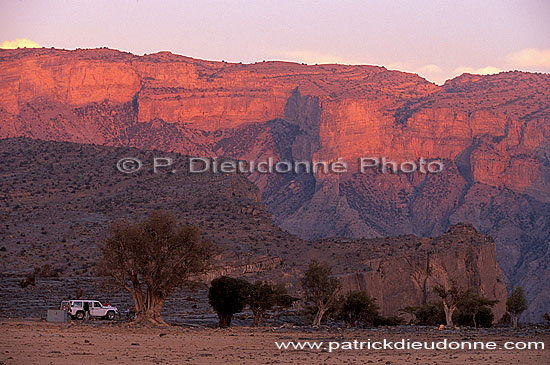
[{"x": 436, "y": 39}]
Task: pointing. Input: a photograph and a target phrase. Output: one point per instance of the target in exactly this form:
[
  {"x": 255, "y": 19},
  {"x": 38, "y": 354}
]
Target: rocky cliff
[
  {"x": 461, "y": 254},
  {"x": 492, "y": 133}
]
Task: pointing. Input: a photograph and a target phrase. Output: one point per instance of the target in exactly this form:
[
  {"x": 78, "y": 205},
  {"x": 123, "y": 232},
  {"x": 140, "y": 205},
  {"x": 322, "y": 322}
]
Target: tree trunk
[
  {"x": 516, "y": 320},
  {"x": 149, "y": 308},
  {"x": 448, "y": 314},
  {"x": 258, "y": 317},
  {"x": 474, "y": 318},
  {"x": 138, "y": 300},
  {"x": 224, "y": 320},
  {"x": 321, "y": 310},
  {"x": 153, "y": 310}
]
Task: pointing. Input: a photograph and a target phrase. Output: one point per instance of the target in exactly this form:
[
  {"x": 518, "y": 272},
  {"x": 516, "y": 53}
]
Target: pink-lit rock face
[
  {"x": 492, "y": 132},
  {"x": 352, "y": 111}
]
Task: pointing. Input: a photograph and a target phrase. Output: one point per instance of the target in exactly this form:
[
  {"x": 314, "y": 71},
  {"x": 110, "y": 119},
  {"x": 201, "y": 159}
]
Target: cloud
[
  {"x": 488, "y": 70},
  {"x": 429, "y": 69},
  {"x": 530, "y": 58},
  {"x": 432, "y": 73},
  {"x": 19, "y": 43},
  {"x": 436, "y": 74}
]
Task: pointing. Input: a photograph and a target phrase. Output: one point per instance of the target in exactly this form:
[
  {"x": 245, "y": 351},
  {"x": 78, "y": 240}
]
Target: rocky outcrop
[
  {"x": 462, "y": 255},
  {"x": 242, "y": 266}
]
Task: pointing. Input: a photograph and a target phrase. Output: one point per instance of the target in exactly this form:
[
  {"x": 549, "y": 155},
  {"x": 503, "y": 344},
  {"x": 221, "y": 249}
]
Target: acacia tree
[
  {"x": 320, "y": 288},
  {"x": 262, "y": 297},
  {"x": 151, "y": 258},
  {"x": 357, "y": 307},
  {"x": 473, "y": 304},
  {"x": 516, "y": 303},
  {"x": 450, "y": 297}
]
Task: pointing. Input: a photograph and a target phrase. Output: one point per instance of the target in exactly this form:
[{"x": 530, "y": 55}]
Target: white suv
[{"x": 75, "y": 309}]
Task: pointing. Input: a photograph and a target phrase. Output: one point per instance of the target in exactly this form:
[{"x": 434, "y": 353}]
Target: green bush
[
  {"x": 483, "y": 318},
  {"x": 472, "y": 310}
]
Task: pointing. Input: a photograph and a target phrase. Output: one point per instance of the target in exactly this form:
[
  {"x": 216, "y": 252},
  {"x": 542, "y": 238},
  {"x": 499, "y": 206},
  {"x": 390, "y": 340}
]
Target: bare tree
[
  {"x": 151, "y": 258},
  {"x": 450, "y": 298},
  {"x": 320, "y": 288}
]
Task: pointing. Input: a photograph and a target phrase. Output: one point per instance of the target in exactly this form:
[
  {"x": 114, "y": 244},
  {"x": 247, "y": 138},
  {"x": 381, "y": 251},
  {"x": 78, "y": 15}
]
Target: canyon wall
[{"x": 361, "y": 109}]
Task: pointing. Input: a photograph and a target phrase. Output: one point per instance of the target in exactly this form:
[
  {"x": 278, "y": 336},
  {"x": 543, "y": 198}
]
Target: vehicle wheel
[
  {"x": 110, "y": 315},
  {"x": 79, "y": 315}
]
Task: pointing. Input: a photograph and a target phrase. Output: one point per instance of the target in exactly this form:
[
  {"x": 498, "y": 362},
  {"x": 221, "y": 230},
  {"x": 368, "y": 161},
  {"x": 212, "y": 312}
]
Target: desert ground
[{"x": 98, "y": 342}]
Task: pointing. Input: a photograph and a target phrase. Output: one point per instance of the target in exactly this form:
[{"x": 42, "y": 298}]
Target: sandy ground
[{"x": 38, "y": 342}]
